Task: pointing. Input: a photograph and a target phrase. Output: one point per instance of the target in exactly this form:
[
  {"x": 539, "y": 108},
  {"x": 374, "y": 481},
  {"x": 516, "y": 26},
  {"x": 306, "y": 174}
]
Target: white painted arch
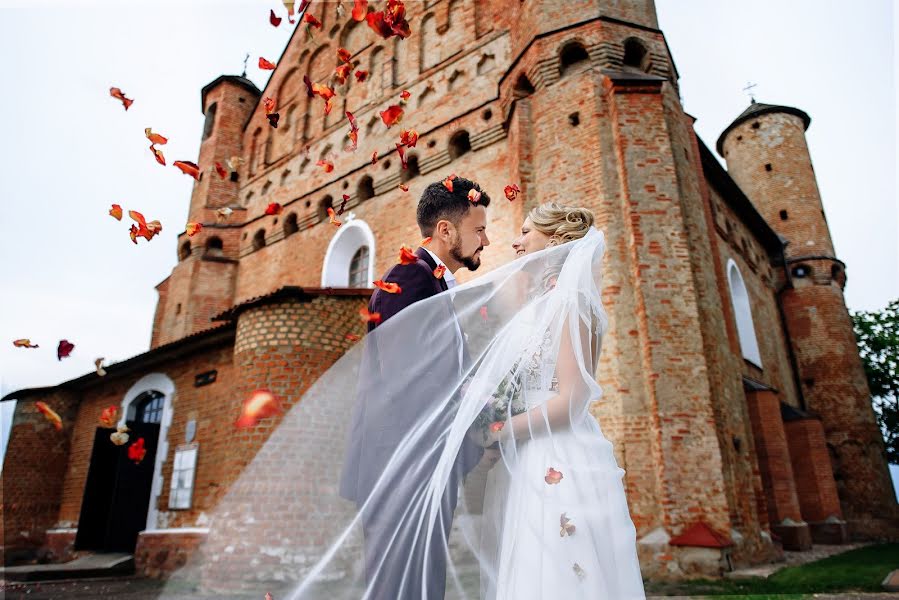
[
  {"x": 354, "y": 234},
  {"x": 739, "y": 298},
  {"x": 158, "y": 382}
]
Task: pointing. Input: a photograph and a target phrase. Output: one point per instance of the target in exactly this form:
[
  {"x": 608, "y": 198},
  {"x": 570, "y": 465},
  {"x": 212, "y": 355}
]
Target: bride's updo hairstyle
[{"x": 561, "y": 223}]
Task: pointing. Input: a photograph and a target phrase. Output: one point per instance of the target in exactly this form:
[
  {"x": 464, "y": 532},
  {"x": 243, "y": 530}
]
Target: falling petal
[
  {"x": 273, "y": 119},
  {"x": 120, "y": 95},
  {"x": 409, "y": 137},
  {"x": 448, "y": 182},
  {"x": 346, "y": 199},
  {"x": 440, "y": 271},
  {"x": 221, "y": 170},
  {"x": 274, "y": 19},
  {"x": 425, "y": 241},
  {"x": 109, "y": 417},
  {"x": 116, "y": 212},
  {"x": 393, "y": 115},
  {"x": 49, "y": 414},
  {"x": 374, "y": 157},
  {"x": 343, "y": 55},
  {"x": 405, "y": 95},
  {"x": 566, "y": 527},
  {"x": 24, "y": 343},
  {"x": 268, "y": 104},
  {"x": 136, "y": 451},
  {"x": 369, "y": 317},
  {"x": 552, "y": 476},
  {"x": 406, "y": 256},
  {"x": 98, "y": 364},
  {"x": 64, "y": 349},
  {"x": 193, "y": 229},
  {"x": 404, "y": 187},
  {"x": 155, "y": 138},
  {"x": 264, "y": 64},
  {"x": 361, "y": 75},
  {"x": 332, "y": 218},
  {"x": 360, "y": 8},
  {"x": 312, "y": 21},
  {"x": 157, "y": 154},
  {"x": 474, "y": 196},
  {"x": 260, "y": 405},
  {"x": 511, "y": 192},
  {"x": 188, "y": 168},
  {"x": 222, "y": 214},
  {"x": 273, "y": 209},
  {"x": 390, "y": 288}
]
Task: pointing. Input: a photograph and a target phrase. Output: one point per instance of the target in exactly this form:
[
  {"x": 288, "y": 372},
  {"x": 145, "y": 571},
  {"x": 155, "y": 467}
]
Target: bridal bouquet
[{"x": 505, "y": 402}]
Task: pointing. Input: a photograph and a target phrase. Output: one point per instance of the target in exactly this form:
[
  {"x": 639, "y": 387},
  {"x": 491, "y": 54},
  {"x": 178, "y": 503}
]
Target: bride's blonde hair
[{"x": 561, "y": 223}]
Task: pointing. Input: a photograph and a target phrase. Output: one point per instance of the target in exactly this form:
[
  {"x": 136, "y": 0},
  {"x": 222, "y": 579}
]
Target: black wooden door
[{"x": 117, "y": 492}]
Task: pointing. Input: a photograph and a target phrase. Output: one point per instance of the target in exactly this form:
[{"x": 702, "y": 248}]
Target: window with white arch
[
  {"x": 350, "y": 258},
  {"x": 739, "y": 298}
]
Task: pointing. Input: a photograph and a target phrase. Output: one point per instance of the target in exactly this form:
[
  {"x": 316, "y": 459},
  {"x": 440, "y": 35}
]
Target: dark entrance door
[{"x": 117, "y": 491}]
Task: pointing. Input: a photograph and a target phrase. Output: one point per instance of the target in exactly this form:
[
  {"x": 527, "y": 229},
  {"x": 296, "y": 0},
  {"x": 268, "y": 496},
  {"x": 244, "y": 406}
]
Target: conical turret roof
[{"x": 757, "y": 109}]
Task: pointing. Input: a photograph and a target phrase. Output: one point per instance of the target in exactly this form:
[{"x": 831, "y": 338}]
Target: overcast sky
[{"x": 69, "y": 150}]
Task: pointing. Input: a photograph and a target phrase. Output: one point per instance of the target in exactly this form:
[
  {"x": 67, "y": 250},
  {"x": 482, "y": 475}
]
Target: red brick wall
[
  {"x": 815, "y": 485},
  {"x": 37, "y": 456}
]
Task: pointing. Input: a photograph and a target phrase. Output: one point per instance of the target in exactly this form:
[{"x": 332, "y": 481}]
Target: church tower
[
  {"x": 202, "y": 282},
  {"x": 767, "y": 155}
]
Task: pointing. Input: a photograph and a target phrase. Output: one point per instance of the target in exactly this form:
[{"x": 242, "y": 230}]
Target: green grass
[{"x": 860, "y": 570}]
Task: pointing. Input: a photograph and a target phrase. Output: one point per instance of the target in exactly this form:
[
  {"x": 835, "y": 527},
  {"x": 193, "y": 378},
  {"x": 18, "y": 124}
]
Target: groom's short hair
[{"x": 438, "y": 203}]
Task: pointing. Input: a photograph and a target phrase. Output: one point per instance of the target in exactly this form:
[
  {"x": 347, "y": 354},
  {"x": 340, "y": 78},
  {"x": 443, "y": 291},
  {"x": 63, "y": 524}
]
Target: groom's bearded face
[{"x": 470, "y": 238}]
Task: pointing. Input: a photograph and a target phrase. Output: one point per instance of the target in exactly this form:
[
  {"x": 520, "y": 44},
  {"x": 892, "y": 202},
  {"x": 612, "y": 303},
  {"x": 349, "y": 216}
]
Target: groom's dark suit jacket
[{"x": 379, "y": 424}]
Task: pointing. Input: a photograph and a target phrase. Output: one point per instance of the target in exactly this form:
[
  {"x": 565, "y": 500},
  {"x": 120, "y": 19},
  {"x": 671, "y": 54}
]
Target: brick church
[{"x": 734, "y": 393}]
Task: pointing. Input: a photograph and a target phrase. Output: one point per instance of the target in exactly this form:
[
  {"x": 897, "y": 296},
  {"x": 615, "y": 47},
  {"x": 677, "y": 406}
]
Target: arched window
[
  {"x": 290, "y": 224},
  {"x": 573, "y": 54},
  {"x": 210, "y": 121},
  {"x": 214, "y": 246},
  {"x": 259, "y": 240},
  {"x": 411, "y": 170},
  {"x": 365, "y": 189},
  {"x": 802, "y": 271},
  {"x": 459, "y": 144},
  {"x": 636, "y": 56},
  {"x": 523, "y": 87},
  {"x": 149, "y": 407},
  {"x": 359, "y": 268},
  {"x": 184, "y": 250},
  {"x": 346, "y": 264},
  {"x": 739, "y": 298},
  {"x": 323, "y": 205}
]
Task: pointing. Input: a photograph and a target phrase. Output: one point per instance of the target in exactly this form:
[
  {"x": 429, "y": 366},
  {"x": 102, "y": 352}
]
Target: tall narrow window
[
  {"x": 210, "y": 121},
  {"x": 739, "y": 298},
  {"x": 359, "y": 268},
  {"x": 183, "y": 470}
]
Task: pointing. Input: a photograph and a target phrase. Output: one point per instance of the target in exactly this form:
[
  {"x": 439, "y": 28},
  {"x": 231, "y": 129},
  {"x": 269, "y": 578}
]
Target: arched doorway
[{"x": 120, "y": 493}]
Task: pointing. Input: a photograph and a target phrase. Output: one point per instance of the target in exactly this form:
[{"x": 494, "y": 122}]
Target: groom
[{"x": 396, "y": 552}]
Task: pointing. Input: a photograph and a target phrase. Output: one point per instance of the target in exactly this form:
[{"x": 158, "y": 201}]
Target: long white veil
[{"x": 375, "y": 485}]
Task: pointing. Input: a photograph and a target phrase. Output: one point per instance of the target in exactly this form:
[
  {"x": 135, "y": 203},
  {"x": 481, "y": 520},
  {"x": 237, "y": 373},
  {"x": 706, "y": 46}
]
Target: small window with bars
[
  {"x": 183, "y": 471},
  {"x": 359, "y": 268}
]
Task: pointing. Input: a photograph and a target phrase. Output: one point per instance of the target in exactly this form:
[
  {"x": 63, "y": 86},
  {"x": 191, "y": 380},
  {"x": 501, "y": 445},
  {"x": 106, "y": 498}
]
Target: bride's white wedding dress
[{"x": 571, "y": 539}]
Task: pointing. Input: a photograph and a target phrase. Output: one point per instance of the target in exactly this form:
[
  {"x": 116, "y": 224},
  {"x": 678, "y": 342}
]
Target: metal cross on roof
[
  {"x": 245, "y": 59},
  {"x": 748, "y": 90}
]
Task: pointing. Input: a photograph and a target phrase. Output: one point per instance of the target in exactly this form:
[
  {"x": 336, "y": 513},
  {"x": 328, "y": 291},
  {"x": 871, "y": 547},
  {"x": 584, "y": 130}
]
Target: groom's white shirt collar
[{"x": 447, "y": 275}]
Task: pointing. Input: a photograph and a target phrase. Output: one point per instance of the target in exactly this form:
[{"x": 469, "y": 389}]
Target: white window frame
[
  {"x": 184, "y": 463},
  {"x": 739, "y": 299}
]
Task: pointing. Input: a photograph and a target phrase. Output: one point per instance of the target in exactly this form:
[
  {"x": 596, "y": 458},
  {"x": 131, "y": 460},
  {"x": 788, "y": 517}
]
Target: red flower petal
[
  {"x": 553, "y": 477},
  {"x": 116, "y": 212},
  {"x": 155, "y": 138},
  {"x": 188, "y": 168},
  {"x": 273, "y": 209},
  {"x": 273, "y": 119},
  {"x": 425, "y": 241},
  {"x": 390, "y": 288},
  {"x": 64, "y": 349},
  {"x": 448, "y": 182},
  {"x": 405, "y": 95},
  {"x": 274, "y": 19},
  {"x": 312, "y": 21},
  {"x": 392, "y": 116},
  {"x": 369, "y": 317},
  {"x": 326, "y": 164},
  {"x": 407, "y": 257},
  {"x": 402, "y": 152},
  {"x": 409, "y": 137},
  {"x": 136, "y": 451},
  {"x": 49, "y": 414},
  {"x": 260, "y": 405},
  {"x": 157, "y": 154},
  {"x": 342, "y": 72},
  {"x": 193, "y": 228},
  {"x": 346, "y": 199},
  {"x": 109, "y": 417},
  {"x": 221, "y": 170},
  {"x": 288, "y": 4},
  {"x": 309, "y": 89},
  {"x": 474, "y": 196},
  {"x": 269, "y": 105},
  {"x": 361, "y": 76},
  {"x": 511, "y": 192},
  {"x": 404, "y": 187},
  {"x": 360, "y": 8},
  {"x": 483, "y": 312},
  {"x": 24, "y": 343},
  {"x": 343, "y": 55},
  {"x": 374, "y": 157},
  {"x": 264, "y": 64},
  {"x": 496, "y": 425},
  {"x": 439, "y": 271},
  {"x": 332, "y": 218},
  {"x": 120, "y": 95}
]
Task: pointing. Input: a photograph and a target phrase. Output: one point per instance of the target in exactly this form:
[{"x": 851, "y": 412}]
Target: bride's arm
[{"x": 556, "y": 412}]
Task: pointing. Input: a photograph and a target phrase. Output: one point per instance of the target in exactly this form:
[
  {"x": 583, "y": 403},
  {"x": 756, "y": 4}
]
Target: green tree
[{"x": 877, "y": 334}]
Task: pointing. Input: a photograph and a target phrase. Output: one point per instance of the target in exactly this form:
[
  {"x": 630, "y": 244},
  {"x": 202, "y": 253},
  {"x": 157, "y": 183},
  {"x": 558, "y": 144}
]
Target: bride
[{"x": 555, "y": 521}]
